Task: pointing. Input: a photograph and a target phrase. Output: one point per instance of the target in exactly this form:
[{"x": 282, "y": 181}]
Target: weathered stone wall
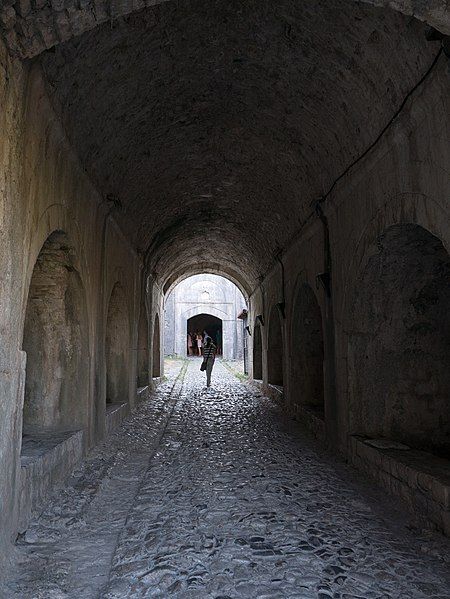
[
  {"x": 403, "y": 180},
  {"x": 55, "y": 339},
  {"x": 44, "y": 189}
]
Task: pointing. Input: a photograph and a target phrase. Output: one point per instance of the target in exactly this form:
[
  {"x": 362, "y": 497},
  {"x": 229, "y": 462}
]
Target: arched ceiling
[
  {"x": 217, "y": 124},
  {"x": 201, "y": 268},
  {"x": 32, "y": 27}
]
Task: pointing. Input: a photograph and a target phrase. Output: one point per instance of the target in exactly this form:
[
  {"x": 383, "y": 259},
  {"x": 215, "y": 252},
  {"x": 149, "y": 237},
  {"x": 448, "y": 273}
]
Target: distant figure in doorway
[
  {"x": 209, "y": 355},
  {"x": 199, "y": 339},
  {"x": 189, "y": 344}
]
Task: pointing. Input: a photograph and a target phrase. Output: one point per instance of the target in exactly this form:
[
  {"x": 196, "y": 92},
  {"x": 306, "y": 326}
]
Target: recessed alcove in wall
[
  {"x": 55, "y": 339},
  {"x": 275, "y": 349},
  {"x": 257, "y": 353},
  {"x": 117, "y": 344},
  {"x": 142, "y": 351},
  {"x": 399, "y": 342},
  {"x": 156, "y": 362},
  {"x": 307, "y": 387}
]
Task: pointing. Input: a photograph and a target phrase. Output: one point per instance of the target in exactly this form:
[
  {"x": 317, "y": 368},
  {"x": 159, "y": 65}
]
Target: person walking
[{"x": 209, "y": 355}]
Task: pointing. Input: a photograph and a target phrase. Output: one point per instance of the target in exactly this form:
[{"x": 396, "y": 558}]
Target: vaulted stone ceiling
[
  {"x": 31, "y": 26},
  {"x": 218, "y": 124}
]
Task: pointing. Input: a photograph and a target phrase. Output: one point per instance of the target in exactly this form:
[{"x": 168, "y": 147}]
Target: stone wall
[
  {"x": 403, "y": 181},
  {"x": 43, "y": 190},
  {"x": 332, "y": 267}
]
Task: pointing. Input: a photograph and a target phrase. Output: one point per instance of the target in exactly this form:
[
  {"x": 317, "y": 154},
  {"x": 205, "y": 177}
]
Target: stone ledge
[
  {"x": 311, "y": 419},
  {"x": 275, "y": 392},
  {"x": 115, "y": 414},
  {"x": 47, "y": 460},
  {"x": 143, "y": 393},
  {"x": 418, "y": 478}
]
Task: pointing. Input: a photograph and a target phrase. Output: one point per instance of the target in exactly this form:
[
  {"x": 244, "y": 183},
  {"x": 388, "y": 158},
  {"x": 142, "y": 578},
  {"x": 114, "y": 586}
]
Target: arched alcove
[
  {"x": 307, "y": 380},
  {"x": 275, "y": 349},
  {"x": 55, "y": 339},
  {"x": 117, "y": 348},
  {"x": 156, "y": 362},
  {"x": 142, "y": 350},
  {"x": 399, "y": 375},
  {"x": 257, "y": 353},
  {"x": 209, "y": 324}
]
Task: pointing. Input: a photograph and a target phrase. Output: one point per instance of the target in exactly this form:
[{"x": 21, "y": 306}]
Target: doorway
[{"x": 204, "y": 323}]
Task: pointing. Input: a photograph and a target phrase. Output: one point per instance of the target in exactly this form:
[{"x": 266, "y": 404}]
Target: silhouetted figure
[{"x": 209, "y": 356}]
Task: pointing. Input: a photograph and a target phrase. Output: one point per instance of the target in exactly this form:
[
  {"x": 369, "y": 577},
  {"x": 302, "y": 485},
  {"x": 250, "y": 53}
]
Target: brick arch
[{"x": 29, "y": 31}]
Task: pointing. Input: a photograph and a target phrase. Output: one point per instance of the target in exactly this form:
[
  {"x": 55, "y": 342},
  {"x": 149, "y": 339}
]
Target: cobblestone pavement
[{"x": 235, "y": 503}]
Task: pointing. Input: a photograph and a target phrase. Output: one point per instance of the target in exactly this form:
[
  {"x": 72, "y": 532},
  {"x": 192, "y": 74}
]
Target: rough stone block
[
  {"x": 445, "y": 522},
  {"x": 441, "y": 493},
  {"x": 115, "y": 413},
  {"x": 8, "y": 17},
  {"x": 44, "y": 469}
]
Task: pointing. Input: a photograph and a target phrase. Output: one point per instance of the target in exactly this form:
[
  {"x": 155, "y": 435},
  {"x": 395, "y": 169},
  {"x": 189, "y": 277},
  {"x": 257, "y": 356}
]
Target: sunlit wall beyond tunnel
[{"x": 212, "y": 296}]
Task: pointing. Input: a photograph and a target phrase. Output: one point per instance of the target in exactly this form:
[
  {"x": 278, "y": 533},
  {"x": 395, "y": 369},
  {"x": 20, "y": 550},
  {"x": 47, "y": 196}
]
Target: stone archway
[
  {"x": 142, "y": 350},
  {"x": 275, "y": 349},
  {"x": 55, "y": 339},
  {"x": 23, "y": 27},
  {"x": 399, "y": 376},
  {"x": 211, "y": 325},
  {"x": 307, "y": 351},
  {"x": 257, "y": 353},
  {"x": 117, "y": 348},
  {"x": 156, "y": 362}
]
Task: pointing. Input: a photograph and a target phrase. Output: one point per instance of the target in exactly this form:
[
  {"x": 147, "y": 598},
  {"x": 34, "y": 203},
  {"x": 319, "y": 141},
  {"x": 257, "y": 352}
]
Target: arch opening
[
  {"x": 205, "y": 302},
  {"x": 257, "y": 353},
  {"x": 227, "y": 273},
  {"x": 275, "y": 349},
  {"x": 307, "y": 352},
  {"x": 117, "y": 347},
  {"x": 55, "y": 339},
  {"x": 197, "y": 327},
  {"x": 142, "y": 351},
  {"x": 399, "y": 376},
  {"x": 156, "y": 363}
]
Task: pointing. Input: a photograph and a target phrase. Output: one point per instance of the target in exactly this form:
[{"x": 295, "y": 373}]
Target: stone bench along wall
[
  {"x": 420, "y": 479},
  {"x": 46, "y": 470}
]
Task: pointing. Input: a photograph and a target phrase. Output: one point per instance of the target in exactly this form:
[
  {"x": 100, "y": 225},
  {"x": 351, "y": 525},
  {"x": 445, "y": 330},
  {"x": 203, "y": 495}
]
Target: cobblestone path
[{"x": 235, "y": 503}]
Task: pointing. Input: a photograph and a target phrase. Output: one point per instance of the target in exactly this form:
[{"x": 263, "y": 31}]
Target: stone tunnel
[{"x": 301, "y": 150}]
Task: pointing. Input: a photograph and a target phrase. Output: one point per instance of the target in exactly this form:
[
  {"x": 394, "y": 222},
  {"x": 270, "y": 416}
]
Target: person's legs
[{"x": 209, "y": 367}]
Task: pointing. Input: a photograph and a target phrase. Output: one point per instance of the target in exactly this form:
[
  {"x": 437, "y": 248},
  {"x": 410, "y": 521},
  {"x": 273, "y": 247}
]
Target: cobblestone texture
[{"x": 234, "y": 503}]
